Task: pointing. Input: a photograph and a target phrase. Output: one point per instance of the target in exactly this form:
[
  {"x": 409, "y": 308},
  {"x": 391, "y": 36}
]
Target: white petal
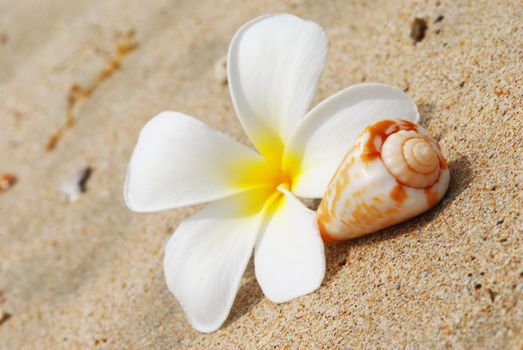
[
  {"x": 289, "y": 255},
  {"x": 207, "y": 255},
  {"x": 328, "y": 131},
  {"x": 180, "y": 161},
  {"x": 274, "y": 65}
]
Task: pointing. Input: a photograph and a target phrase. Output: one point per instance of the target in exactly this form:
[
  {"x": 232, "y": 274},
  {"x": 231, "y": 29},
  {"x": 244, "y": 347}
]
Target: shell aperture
[{"x": 394, "y": 171}]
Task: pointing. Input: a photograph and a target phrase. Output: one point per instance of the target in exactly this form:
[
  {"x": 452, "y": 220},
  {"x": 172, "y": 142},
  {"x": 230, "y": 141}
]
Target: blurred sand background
[{"x": 87, "y": 275}]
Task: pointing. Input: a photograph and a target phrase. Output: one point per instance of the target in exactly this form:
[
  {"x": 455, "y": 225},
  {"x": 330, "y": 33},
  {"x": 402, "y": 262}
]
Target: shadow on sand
[{"x": 337, "y": 254}]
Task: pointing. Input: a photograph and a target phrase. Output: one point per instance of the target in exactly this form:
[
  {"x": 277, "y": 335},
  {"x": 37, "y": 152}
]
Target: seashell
[{"x": 394, "y": 171}]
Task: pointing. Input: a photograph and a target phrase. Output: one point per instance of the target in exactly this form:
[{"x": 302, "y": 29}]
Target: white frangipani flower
[{"x": 274, "y": 64}]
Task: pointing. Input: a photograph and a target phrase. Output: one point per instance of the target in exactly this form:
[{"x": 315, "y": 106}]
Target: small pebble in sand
[
  {"x": 4, "y": 38},
  {"x": 439, "y": 19},
  {"x": 220, "y": 70},
  {"x": 7, "y": 181},
  {"x": 76, "y": 184},
  {"x": 4, "y": 316},
  {"x": 418, "y": 29},
  {"x": 100, "y": 341},
  {"x": 311, "y": 203},
  {"x": 492, "y": 294}
]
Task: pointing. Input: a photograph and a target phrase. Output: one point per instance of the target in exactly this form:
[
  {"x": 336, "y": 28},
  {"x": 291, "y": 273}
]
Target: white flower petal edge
[
  {"x": 207, "y": 255},
  {"x": 328, "y": 131},
  {"x": 274, "y": 64},
  {"x": 289, "y": 258},
  {"x": 180, "y": 161}
]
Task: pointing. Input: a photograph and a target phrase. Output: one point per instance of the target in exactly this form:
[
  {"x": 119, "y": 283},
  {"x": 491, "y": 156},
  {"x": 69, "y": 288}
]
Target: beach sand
[{"x": 88, "y": 274}]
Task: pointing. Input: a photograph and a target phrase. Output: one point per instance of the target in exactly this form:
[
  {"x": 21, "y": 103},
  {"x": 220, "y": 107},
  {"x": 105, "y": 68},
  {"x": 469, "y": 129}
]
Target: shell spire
[{"x": 394, "y": 171}]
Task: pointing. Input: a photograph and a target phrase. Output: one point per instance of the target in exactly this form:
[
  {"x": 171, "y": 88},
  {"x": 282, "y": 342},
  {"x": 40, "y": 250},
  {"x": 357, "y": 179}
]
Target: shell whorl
[{"x": 411, "y": 158}]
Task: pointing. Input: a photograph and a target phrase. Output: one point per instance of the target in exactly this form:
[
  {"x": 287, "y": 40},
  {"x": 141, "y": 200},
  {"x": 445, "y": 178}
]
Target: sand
[{"x": 87, "y": 274}]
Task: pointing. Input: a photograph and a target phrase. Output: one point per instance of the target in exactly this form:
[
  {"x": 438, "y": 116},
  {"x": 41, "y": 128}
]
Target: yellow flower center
[{"x": 267, "y": 177}]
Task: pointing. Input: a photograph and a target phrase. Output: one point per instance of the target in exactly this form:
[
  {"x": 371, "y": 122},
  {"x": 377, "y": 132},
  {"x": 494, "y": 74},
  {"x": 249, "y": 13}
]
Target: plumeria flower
[{"x": 274, "y": 64}]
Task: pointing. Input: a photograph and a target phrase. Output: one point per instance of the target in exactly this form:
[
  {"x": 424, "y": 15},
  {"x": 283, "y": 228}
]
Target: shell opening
[{"x": 411, "y": 159}]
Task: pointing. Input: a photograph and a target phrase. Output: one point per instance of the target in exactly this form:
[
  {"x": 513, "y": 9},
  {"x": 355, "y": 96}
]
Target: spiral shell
[{"x": 394, "y": 171}]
